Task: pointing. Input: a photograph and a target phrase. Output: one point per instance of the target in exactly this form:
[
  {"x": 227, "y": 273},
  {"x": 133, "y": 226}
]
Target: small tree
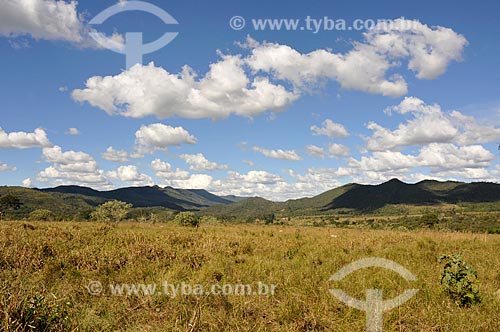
[
  {"x": 41, "y": 215},
  {"x": 111, "y": 211},
  {"x": 9, "y": 202},
  {"x": 187, "y": 219}
]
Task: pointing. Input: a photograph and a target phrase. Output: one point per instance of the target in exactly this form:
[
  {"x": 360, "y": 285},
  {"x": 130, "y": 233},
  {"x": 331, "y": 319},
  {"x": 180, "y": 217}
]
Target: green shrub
[
  {"x": 429, "y": 219},
  {"x": 111, "y": 212},
  {"x": 187, "y": 219},
  {"x": 459, "y": 280},
  {"x": 36, "y": 314},
  {"x": 41, "y": 215}
]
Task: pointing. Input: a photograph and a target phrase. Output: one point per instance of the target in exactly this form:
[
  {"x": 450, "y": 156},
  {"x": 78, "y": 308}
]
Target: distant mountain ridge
[
  {"x": 367, "y": 198},
  {"x": 70, "y": 200},
  {"x": 155, "y": 196}
]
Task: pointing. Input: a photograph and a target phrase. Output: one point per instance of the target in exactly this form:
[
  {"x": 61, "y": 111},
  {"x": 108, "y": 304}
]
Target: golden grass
[{"x": 58, "y": 260}]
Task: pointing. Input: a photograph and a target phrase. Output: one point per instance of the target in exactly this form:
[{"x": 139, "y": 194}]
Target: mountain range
[{"x": 67, "y": 200}]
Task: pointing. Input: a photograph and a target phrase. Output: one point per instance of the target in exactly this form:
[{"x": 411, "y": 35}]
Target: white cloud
[
  {"x": 450, "y": 156},
  {"x": 330, "y": 129},
  {"x": 471, "y": 131},
  {"x": 315, "y": 151},
  {"x": 338, "y": 150},
  {"x": 158, "y": 136},
  {"x": 73, "y": 131},
  {"x": 27, "y": 183},
  {"x": 362, "y": 68},
  {"x": 131, "y": 174},
  {"x": 279, "y": 154},
  {"x": 198, "y": 162},
  {"x": 117, "y": 156},
  {"x": 274, "y": 187},
  {"x": 49, "y": 20},
  {"x": 253, "y": 183},
  {"x": 429, "y": 125},
  {"x": 42, "y": 19},
  {"x": 23, "y": 140},
  {"x": 5, "y": 167},
  {"x": 72, "y": 168},
  {"x": 246, "y": 85},
  {"x": 384, "y": 161},
  {"x": 441, "y": 159},
  {"x": 179, "y": 178},
  {"x": 63, "y": 89},
  {"x": 430, "y": 50},
  {"x": 248, "y": 162},
  {"x": 150, "y": 90}
]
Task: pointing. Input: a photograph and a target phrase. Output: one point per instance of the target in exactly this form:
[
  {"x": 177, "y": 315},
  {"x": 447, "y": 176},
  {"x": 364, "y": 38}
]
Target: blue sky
[{"x": 279, "y": 114}]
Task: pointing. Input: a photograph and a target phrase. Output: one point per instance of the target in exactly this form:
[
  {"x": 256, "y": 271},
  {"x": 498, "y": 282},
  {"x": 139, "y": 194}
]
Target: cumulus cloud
[
  {"x": 275, "y": 187},
  {"x": 73, "y": 131},
  {"x": 5, "y": 167},
  {"x": 23, "y": 140},
  {"x": 429, "y": 124},
  {"x": 429, "y": 49},
  {"x": 250, "y": 84},
  {"x": 441, "y": 159},
  {"x": 27, "y": 183},
  {"x": 131, "y": 174},
  {"x": 179, "y": 178},
  {"x": 198, "y": 162},
  {"x": 72, "y": 168},
  {"x": 330, "y": 129},
  {"x": 362, "y": 68},
  {"x": 338, "y": 150},
  {"x": 41, "y": 19},
  {"x": 473, "y": 132},
  {"x": 315, "y": 151},
  {"x": 117, "y": 156},
  {"x": 279, "y": 154},
  {"x": 49, "y": 20},
  {"x": 158, "y": 136},
  {"x": 253, "y": 183},
  {"x": 150, "y": 90}
]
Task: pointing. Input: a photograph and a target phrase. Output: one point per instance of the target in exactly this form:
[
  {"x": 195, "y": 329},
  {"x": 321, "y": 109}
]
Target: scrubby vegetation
[
  {"x": 459, "y": 280},
  {"x": 187, "y": 219},
  {"x": 46, "y": 269}
]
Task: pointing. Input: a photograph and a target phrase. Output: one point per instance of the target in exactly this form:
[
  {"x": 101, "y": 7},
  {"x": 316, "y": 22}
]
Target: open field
[{"x": 59, "y": 260}]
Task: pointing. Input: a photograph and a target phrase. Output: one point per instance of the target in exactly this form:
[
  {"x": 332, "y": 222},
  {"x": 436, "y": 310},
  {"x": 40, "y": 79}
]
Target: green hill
[
  {"x": 74, "y": 200},
  {"x": 367, "y": 198},
  {"x": 248, "y": 209},
  {"x": 61, "y": 204},
  {"x": 168, "y": 197}
]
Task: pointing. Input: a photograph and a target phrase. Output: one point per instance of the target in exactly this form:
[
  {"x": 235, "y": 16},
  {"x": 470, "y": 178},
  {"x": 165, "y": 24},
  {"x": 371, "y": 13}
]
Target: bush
[
  {"x": 187, "y": 219},
  {"x": 429, "y": 219},
  {"x": 112, "y": 211},
  {"x": 36, "y": 314},
  {"x": 41, "y": 215},
  {"x": 459, "y": 281}
]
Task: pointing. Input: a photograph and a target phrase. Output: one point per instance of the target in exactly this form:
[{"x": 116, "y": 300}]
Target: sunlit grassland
[{"x": 58, "y": 260}]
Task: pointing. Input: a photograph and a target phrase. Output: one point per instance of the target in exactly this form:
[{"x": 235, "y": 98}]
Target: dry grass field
[{"x": 46, "y": 270}]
